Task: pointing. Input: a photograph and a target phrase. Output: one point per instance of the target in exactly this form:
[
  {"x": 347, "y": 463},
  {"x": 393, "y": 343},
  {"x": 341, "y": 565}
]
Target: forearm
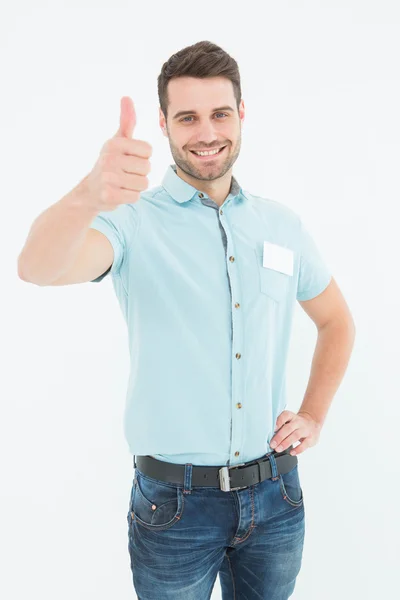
[
  {"x": 55, "y": 238},
  {"x": 331, "y": 357}
]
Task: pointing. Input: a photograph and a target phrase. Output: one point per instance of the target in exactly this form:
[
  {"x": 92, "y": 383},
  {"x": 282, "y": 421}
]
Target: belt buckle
[{"x": 224, "y": 479}]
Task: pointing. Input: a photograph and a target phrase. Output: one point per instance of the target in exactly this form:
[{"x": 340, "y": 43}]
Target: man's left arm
[{"x": 336, "y": 334}]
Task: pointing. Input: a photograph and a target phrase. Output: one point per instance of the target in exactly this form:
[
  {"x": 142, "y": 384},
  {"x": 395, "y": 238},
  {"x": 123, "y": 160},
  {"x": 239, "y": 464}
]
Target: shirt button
[
  {"x": 221, "y": 212},
  {"x": 237, "y": 305},
  {"x": 238, "y": 355},
  {"x": 238, "y": 405},
  {"x": 201, "y": 195},
  {"x": 231, "y": 258},
  {"x": 237, "y": 453}
]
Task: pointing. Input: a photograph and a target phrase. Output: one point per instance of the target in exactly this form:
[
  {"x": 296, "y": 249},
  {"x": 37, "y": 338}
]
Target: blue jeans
[{"x": 180, "y": 541}]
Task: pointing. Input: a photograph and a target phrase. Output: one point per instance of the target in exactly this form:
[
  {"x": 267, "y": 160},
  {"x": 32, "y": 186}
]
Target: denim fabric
[{"x": 180, "y": 540}]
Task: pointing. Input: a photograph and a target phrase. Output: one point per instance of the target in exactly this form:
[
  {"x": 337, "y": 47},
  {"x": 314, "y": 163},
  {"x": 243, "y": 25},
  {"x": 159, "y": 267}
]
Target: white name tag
[{"x": 278, "y": 258}]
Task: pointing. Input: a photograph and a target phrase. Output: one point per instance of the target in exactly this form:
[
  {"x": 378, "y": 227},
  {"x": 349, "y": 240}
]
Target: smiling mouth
[{"x": 208, "y": 156}]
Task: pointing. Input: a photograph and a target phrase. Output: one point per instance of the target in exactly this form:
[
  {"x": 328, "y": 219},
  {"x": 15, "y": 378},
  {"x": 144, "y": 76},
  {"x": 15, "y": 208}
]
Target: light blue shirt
[{"x": 208, "y": 324}]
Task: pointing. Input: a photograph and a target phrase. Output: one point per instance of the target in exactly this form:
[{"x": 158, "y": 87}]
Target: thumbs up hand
[{"x": 119, "y": 174}]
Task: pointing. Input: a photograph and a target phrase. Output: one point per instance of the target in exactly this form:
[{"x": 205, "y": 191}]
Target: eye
[{"x": 190, "y": 117}]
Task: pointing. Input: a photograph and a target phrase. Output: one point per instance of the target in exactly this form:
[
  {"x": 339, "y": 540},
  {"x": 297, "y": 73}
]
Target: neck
[{"x": 217, "y": 190}]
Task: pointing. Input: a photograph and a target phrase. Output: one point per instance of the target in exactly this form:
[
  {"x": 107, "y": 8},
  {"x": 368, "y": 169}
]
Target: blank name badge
[{"x": 278, "y": 258}]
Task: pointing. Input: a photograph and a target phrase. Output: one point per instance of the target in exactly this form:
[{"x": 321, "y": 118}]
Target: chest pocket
[{"x": 272, "y": 283}]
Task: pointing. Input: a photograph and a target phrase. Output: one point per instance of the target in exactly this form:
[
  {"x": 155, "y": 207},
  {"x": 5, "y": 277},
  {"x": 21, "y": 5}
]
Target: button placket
[{"x": 238, "y": 331}]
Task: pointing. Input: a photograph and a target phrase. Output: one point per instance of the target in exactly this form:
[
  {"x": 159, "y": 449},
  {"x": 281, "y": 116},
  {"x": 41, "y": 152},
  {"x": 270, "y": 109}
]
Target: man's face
[{"x": 202, "y": 127}]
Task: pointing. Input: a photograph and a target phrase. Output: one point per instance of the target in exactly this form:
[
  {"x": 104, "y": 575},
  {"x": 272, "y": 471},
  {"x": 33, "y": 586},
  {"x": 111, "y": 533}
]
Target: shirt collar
[{"x": 181, "y": 191}]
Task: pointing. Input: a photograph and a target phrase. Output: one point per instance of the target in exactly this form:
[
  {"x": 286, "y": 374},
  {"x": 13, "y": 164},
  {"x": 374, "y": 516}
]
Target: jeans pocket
[
  {"x": 154, "y": 504},
  {"x": 129, "y": 515},
  {"x": 290, "y": 487}
]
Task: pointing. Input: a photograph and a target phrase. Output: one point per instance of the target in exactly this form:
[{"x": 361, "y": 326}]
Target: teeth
[{"x": 207, "y": 153}]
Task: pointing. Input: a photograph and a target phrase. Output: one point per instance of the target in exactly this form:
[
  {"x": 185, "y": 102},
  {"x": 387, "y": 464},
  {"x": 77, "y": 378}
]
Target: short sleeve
[
  {"x": 120, "y": 227},
  {"x": 314, "y": 275}
]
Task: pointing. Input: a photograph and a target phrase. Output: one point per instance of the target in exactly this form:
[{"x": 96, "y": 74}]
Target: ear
[
  {"x": 241, "y": 111},
  {"x": 162, "y": 122}
]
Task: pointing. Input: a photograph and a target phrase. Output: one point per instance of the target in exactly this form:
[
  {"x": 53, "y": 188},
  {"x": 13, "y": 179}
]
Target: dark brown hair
[{"x": 203, "y": 59}]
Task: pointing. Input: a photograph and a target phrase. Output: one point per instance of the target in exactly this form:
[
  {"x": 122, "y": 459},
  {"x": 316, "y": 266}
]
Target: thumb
[{"x": 127, "y": 119}]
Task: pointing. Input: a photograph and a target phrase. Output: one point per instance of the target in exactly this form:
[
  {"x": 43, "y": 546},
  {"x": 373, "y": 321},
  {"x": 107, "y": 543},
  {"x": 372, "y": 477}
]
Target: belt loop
[
  {"x": 187, "y": 479},
  {"x": 274, "y": 466},
  {"x": 134, "y": 461},
  {"x": 263, "y": 470}
]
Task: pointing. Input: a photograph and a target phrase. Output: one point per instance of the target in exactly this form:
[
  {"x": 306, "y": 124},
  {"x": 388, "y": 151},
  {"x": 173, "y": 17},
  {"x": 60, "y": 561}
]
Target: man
[{"x": 207, "y": 275}]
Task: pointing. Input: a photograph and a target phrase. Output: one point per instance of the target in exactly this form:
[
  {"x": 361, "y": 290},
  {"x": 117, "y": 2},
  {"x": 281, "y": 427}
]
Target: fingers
[
  {"x": 130, "y": 147},
  {"x": 126, "y": 181}
]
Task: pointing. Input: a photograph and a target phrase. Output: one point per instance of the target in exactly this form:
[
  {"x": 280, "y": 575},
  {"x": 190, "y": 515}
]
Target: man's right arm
[{"x": 61, "y": 248}]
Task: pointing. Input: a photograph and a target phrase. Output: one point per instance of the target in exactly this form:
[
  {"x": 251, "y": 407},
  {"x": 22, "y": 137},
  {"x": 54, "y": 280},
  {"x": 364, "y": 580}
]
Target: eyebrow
[{"x": 193, "y": 112}]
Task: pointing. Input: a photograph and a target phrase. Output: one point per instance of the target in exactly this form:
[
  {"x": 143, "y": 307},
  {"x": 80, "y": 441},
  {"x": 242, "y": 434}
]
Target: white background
[{"x": 321, "y": 86}]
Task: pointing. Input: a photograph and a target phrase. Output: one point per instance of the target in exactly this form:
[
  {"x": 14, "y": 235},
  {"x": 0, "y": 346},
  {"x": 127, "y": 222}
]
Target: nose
[{"x": 206, "y": 134}]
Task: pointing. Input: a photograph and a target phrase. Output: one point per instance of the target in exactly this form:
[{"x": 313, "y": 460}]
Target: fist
[{"x": 120, "y": 173}]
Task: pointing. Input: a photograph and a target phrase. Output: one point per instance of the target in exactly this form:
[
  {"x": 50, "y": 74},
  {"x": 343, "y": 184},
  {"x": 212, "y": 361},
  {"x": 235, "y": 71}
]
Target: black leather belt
[{"x": 227, "y": 478}]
